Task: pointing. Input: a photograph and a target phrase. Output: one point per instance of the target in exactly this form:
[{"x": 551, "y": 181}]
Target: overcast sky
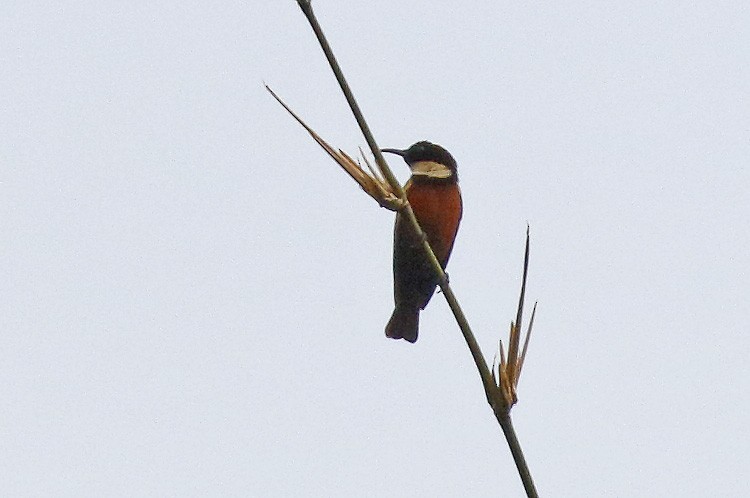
[{"x": 194, "y": 295}]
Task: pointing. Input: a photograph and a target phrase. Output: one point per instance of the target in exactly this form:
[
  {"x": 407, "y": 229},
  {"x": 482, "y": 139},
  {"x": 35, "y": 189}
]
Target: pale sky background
[{"x": 194, "y": 295}]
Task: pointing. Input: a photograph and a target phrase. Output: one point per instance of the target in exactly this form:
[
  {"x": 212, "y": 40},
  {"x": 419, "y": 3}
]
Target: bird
[{"x": 435, "y": 198}]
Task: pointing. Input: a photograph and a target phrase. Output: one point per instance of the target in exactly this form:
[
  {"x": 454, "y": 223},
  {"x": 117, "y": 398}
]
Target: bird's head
[{"x": 429, "y": 160}]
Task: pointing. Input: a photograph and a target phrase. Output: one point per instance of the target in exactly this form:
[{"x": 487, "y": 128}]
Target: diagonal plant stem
[
  {"x": 494, "y": 396},
  {"x": 484, "y": 370},
  {"x": 506, "y": 424}
]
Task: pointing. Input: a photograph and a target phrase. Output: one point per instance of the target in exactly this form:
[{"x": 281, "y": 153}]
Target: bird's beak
[{"x": 399, "y": 152}]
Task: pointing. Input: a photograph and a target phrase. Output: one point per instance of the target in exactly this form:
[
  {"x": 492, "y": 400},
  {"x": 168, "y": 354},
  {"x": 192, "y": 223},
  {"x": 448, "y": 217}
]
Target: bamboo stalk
[{"x": 494, "y": 391}]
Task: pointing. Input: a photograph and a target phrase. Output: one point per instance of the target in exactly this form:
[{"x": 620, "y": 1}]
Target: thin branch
[
  {"x": 494, "y": 394},
  {"x": 515, "y": 449},
  {"x": 306, "y": 7},
  {"x": 484, "y": 371}
]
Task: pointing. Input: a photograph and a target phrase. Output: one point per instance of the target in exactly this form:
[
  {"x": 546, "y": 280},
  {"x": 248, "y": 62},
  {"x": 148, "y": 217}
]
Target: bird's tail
[{"x": 404, "y": 324}]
